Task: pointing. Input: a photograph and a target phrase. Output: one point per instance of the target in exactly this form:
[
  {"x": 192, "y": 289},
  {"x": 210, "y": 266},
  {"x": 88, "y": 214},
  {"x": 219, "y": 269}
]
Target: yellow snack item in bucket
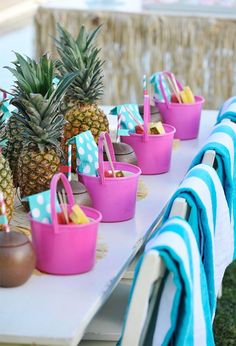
[
  {"x": 78, "y": 216},
  {"x": 189, "y": 94},
  {"x": 183, "y": 96},
  {"x": 156, "y": 128}
]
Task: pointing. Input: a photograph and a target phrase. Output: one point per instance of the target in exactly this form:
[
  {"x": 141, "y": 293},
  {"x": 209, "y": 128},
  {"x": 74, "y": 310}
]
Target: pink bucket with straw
[
  {"x": 185, "y": 117},
  {"x": 114, "y": 197},
  {"x": 65, "y": 249},
  {"x": 153, "y": 151}
]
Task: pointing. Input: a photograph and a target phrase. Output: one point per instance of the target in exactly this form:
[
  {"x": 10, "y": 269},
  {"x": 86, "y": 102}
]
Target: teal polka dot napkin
[
  {"x": 86, "y": 153},
  {"x": 127, "y": 124},
  {"x": 40, "y": 206},
  {"x": 154, "y": 80}
]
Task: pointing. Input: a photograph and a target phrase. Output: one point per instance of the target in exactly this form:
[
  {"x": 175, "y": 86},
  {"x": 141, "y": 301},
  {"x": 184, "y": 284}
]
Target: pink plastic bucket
[
  {"x": 185, "y": 117},
  {"x": 153, "y": 151},
  {"x": 65, "y": 249},
  {"x": 115, "y": 198}
]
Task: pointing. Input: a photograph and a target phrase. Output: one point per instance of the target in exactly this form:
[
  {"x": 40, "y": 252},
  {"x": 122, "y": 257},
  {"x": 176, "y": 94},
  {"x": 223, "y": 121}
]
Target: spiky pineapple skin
[
  {"x": 14, "y": 146},
  {"x": 82, "y": 117},
  {"x": 36, "y": 169},
  {"x": 6, "y": 186}
]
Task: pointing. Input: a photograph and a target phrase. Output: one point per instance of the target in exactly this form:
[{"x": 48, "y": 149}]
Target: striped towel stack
[
  {"x": 223, "y": 141},
  {"x": 182, "y": 314},
  {"x": 210, "y": 222},
  {"x": 228, "y": 110}
]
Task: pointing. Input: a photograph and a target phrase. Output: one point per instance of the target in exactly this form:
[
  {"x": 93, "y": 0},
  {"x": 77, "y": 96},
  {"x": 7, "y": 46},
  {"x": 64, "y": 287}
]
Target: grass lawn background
[{"x": 225, "y": 319}]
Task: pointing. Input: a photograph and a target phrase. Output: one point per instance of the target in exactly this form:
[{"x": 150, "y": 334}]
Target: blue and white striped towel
[
  {"x": 210, "y": 221},
  {"x": 183, "y": 312},
  {"x": 223, "y": 141},
  {"x": 226, "y": 104},
  {"x": 228, "y": 110}
]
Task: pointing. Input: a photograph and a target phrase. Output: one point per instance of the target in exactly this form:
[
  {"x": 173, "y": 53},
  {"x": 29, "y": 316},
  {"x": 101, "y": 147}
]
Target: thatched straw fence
[{"x": 201, "y": 51}]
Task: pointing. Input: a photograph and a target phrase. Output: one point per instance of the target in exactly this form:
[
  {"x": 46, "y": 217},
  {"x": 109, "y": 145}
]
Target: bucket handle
[
  {"x": 104, "y": 135},
  {"x": 146, "y": 116},
  {"x": 53, "y": 191},
  {"x": 169, "y": 74}
]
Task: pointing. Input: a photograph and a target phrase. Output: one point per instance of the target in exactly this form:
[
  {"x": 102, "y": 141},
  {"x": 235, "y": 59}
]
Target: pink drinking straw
[
  {"x": 3, "y": 209},
  {"x": 4, "y": 93},
  {"x": 144, "y": 85},
  {"x": 118, "y": 126},
  {"x": 146, "y": 108},
  {"x": 133, "y": 117}
]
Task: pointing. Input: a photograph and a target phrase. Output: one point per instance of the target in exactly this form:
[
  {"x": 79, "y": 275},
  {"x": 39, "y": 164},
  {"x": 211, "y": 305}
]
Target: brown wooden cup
[{"x": 17, "y": 259}]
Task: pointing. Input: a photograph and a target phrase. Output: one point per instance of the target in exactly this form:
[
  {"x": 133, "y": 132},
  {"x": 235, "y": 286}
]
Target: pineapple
[
  {"x": 6, "y": 186},
  {"x": 6, "y": 183},
  {"x": 13, "y": 134},
  {"x": 31, "y": 77},
  {"x": 2, "y": 128},
  {"x": 41, "y": 124},
  {"x": 80, "y": 108}
]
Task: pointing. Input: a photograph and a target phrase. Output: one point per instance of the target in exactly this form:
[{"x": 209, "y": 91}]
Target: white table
[{"x": 55, "y": 310}]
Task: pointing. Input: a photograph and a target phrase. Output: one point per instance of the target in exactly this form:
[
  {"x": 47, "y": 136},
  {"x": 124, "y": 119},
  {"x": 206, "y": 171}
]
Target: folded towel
[
  {"x": 182, "y": 314},
  {"x": 228, "y": 110},
  {"x": 210, "y": 221},
  {"x": 226, "y": 104},
  {"x": 223, "y": 141}
]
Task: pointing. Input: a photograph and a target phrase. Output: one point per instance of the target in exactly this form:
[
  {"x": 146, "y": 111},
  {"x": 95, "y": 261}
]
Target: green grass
[{"x": 225, "y": 319}]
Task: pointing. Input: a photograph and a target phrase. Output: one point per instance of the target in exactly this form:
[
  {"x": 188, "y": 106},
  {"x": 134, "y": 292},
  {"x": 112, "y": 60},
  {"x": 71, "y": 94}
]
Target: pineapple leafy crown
[
  {"x": 39, "y": 114},
  {"x": 33, "y": 77},
  {"x": 80, "y": 54}
]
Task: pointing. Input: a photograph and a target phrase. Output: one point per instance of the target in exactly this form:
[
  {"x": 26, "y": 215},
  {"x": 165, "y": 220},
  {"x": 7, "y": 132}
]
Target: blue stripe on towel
[
  {"x": 207, "y": 179},
  {"x": 186, "y": 322},
  {"x": 177, "y": 297}
]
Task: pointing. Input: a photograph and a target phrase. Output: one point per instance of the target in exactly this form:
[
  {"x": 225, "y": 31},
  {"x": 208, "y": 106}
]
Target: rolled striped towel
[
  {"x": 182, "y": 314},
  {"x": 228, "y": 110},
  {"x": 210, "y": 222},
  {"x": 223, "y": 141}
]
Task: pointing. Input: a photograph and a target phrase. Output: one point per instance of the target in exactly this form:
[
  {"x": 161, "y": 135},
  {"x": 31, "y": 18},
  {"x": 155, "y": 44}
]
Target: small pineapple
[
  {"x": 41, "y": 123},
  {"x": 6, "y": 182},
  {"x": 6, "y": 186},
  {"x": 13, "y": 134},
  {"x": 80, "y": 108},
  {"x": 2, "y": 128},
  {"x": 31, "y": 77}
]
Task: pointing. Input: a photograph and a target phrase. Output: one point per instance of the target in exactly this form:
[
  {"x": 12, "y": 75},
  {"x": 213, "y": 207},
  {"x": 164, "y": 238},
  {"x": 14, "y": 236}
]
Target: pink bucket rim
[
  {"x": 72, "y": 226},
  {"x": 198, "y": 100},
  {"x": 155, "y": 136},
  {"x": 137, "y": 173}
]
